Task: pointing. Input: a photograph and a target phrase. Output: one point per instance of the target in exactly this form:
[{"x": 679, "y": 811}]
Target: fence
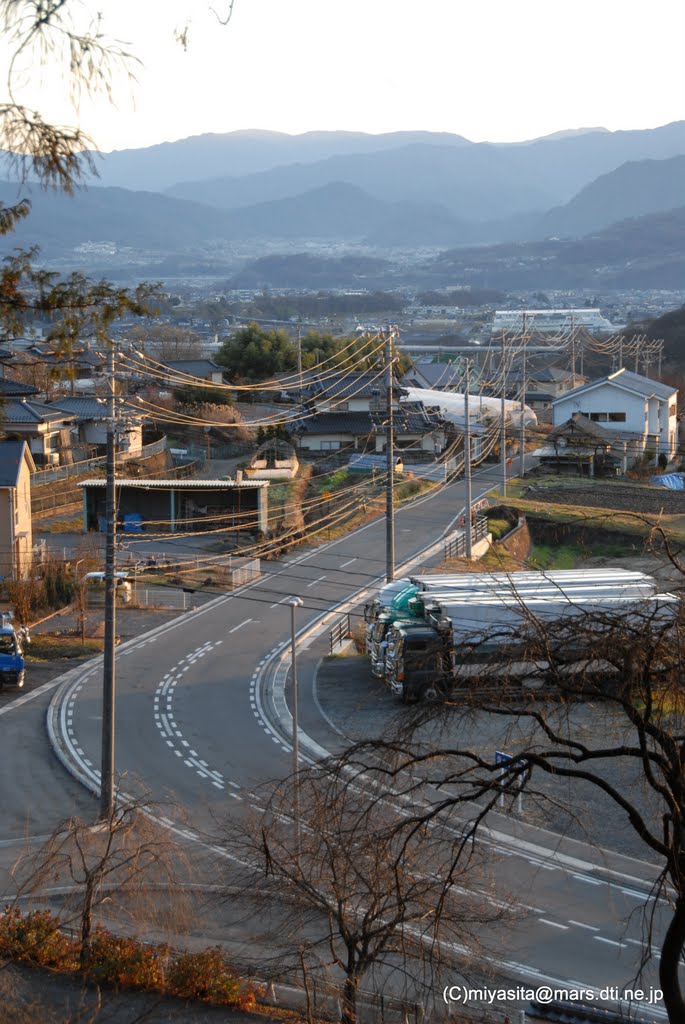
[
  {"x": 341, "y": 631},
  {"x": 455, "y": 546},
  {"x": 51, "y": 476}
]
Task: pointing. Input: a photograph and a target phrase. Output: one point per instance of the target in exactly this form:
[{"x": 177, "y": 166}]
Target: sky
[{"x": 491, "y": 70}]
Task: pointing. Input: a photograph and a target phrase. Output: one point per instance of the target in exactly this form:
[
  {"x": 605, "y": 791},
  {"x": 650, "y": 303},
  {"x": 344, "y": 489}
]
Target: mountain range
[{"x": 404, "y": 190}]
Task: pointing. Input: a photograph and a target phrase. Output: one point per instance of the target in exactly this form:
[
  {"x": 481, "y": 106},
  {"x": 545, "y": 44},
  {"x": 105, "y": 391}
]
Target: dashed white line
[
  {"x": 240, "y": 625},
  {"x": 553, "y": 924}
]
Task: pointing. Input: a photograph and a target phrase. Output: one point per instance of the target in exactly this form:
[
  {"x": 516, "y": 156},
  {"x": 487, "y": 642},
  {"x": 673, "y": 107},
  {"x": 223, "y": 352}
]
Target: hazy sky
[{"x": 489, "y": 70}]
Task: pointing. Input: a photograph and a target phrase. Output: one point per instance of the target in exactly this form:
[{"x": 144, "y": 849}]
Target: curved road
[{"x": 202, "y": 720}]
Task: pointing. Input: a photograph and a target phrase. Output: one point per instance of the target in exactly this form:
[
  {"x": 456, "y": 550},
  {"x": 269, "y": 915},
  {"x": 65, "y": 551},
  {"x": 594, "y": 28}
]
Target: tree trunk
[
  {"x": 348, "y": 1014},
  {"x": 671, "y": 951},
  {"x": 86, "y": 921}
]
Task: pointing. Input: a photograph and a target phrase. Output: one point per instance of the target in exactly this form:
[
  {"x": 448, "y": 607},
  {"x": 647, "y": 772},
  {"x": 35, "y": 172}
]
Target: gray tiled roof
[
  {"x": 11, "y": 456},
  {"x": 14, "y": 387},
  {"x": 15, "y": 410},
  {"x": 194, "y": 367},
  {"x": 335, "y": 423},
  {"x": 88, "y": 407},
  {"x": 626, "y": 379},
  {"x": 347, "y": 385}
]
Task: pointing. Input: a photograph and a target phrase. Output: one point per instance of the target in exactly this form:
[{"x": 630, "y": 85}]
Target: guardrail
[
  {"x": 455, "y": 546},
  {"x": 340, "y": 632}
]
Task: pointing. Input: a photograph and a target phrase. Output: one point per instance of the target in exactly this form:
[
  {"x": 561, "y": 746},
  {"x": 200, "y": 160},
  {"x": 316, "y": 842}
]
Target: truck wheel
[{"x": 431, "y": 693}]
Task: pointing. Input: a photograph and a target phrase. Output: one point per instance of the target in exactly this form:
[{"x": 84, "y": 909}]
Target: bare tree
[
  {"x": 538, "y": 678},
  {"x": 128, "y": 860},
  {"x": 361, "y": 896}
]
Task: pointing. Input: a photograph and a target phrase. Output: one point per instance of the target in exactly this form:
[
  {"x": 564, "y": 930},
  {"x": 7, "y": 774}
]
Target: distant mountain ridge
[
  {"x": 156, "y": 168},
  {"x": 632, "y": 190}
]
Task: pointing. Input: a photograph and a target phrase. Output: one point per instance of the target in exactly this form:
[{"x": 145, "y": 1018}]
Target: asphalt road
[{"x": 203, "y": 722}]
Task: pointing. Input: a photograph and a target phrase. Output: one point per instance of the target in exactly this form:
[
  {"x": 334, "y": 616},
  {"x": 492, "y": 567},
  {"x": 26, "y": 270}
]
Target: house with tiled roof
[
  {"x": 642, "y": 414},
  {"x": 45, "y": 428},
  {"x": 415, "y": 428},
  {"x": 90, "y": 416}
]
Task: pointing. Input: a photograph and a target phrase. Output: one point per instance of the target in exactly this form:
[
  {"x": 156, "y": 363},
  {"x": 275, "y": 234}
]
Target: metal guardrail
[
  {"x": 455, "y": 546},
  {"x": 341, "y": 631}
]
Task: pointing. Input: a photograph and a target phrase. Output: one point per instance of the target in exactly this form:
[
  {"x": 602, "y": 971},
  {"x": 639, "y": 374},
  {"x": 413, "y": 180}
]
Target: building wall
[
  {"x": 7, "y": 532},
  {"x": 23, "y": 541}
]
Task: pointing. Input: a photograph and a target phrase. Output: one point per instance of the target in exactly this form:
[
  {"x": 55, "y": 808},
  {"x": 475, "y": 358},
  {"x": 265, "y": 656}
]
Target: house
[
  {"x": 349, "y": 411},
  {"x": 180, "y": 372},
  {"x": 90, "y": 417},
  {"x": 640, "y": 412},
  {"x": 415, "y": 428},
  {"x": 343, "y": 392},
  {"x": 579, "y": 447},
  {"x": 435, "y": 376},
  {"x": 16, "y": 466},
  {"x": 45, "y": 428}
]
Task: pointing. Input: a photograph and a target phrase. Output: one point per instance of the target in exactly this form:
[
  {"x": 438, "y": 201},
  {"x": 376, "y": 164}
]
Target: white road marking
[
  {"x": 351, "y": 560},
  {"x": 240, "y": 625},
  {"x": 553, "y": 924},
  {"x": 579, "y": 924}
]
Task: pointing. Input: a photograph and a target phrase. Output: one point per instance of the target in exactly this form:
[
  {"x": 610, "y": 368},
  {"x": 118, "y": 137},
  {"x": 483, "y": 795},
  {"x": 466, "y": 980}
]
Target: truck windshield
[{"x": 7, "y": 644}]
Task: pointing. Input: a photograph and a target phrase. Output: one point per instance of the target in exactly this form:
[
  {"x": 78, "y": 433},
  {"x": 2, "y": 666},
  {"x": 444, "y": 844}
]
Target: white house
[{"x": 642, "y": 412}]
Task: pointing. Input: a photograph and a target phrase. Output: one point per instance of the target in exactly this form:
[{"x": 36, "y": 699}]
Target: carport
[{"x": 173, "y": 506}]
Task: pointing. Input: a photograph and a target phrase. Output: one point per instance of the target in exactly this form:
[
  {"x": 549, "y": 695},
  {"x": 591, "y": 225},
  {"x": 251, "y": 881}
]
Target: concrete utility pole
[
  {"x": 467, "y": 463},
  {"x": 523, "y": 398},
  {"x": 503, "y": 425},
  {"x": 108, "y": 673},
  {"x": 299, "y": 362},
  {"x": 390, "y": 464}
]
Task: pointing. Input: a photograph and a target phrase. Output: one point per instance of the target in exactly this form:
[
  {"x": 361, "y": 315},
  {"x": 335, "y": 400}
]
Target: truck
[
  {"x": 12, "y": 652},
  {"x": 434, "y": 633},
  {"x": 400, "y": 601}
]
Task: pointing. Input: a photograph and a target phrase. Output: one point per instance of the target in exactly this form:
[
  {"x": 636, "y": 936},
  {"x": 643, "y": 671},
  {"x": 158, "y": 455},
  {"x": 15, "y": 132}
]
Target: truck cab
[{"x": 419, "y": 662}]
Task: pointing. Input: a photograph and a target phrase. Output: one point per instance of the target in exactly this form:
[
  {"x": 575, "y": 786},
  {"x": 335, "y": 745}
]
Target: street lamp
[{"x": 295, "y": 602}]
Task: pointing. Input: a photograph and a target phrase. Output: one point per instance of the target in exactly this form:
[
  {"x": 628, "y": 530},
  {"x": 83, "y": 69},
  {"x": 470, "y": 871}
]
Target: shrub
[
  {"x": 35, "y": 938},
  {"x": 204, "y": 976},
  {"x": 124, "y": 962},
  {"x": 498, "y": 527}
]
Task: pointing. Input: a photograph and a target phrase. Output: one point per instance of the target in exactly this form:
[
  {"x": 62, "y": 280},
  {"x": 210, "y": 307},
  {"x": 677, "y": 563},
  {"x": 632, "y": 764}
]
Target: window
[
  {"x": 617, "y": 417},
  {"x": 672, "y": 409},
  {"x": 599, "y": 417},
  {"x": 329, "y": 446}
]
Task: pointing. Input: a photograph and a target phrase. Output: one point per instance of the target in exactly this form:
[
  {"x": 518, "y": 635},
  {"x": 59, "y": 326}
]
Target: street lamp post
[{"x": 295, "y": 602}]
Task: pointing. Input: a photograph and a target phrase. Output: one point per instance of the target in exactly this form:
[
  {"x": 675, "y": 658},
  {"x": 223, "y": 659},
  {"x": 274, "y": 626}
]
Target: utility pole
[
  {"x": 503, "y": 425},
  {"x": 299, "y": 362},
  {"x": 108, "y": 674},
  {"x": 467, "y": 463},
  {"x": 390, "y": 465},
  {"x": 523, "y": 398}
]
